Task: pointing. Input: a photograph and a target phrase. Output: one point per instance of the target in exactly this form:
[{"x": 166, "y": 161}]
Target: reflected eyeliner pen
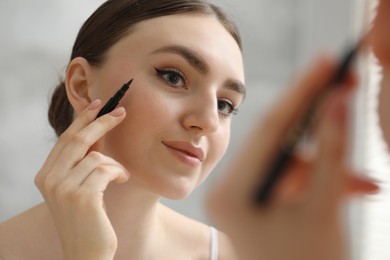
[
  {"x": 113, "y": 102},
  {"x": 285, "y": 153}
]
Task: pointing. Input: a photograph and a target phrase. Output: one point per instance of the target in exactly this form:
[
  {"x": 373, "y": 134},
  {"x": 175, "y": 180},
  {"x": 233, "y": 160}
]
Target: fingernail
[
  {"x": 94, "y": 105},
  {"x": 117, "y": 112}
]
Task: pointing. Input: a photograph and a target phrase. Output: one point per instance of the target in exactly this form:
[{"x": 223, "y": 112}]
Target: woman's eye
[
  {"x": 226, "y": 108},
  {"x": 172, "y": 76}
]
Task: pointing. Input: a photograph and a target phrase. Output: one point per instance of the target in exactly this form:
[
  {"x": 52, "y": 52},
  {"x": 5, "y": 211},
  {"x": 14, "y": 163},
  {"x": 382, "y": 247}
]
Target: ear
[{"x": 79, "y": 77}]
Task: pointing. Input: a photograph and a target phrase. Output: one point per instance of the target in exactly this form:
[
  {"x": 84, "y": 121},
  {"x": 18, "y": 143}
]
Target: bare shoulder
[
  {"x": 194, "y": 238},
  {"x": 11, "y": 240},
  {"x": 6, "y": 235},
  {"x": 28, "y": 235},
  {"x": 190, "y": 237}
]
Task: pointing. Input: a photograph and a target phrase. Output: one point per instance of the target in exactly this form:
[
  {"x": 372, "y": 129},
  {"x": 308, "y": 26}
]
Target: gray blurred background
[{"x": 280, "y": 36}]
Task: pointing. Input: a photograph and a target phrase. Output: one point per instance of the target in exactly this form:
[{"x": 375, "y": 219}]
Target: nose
[{"x": 202, "y": 115}]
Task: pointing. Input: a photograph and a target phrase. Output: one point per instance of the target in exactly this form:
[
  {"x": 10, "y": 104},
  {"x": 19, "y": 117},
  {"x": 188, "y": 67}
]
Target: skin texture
[{"x": 134, "y": 155}]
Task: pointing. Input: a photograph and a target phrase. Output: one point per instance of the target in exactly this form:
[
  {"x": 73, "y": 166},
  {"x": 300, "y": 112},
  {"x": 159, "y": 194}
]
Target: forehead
[{"x": 203, "y": 34}]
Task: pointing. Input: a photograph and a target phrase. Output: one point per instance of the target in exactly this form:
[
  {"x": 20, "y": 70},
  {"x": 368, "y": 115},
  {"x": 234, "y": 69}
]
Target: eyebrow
[
  {"x": 237, "y": 86},
  {"x": 197, "y": 62},
  {"x": 194, "y": 59}
]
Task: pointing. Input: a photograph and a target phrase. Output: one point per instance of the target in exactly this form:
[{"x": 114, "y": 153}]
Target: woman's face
[{"x": 188, "y": 79}]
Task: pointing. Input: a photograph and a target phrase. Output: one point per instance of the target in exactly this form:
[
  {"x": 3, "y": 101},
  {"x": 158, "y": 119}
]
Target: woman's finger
[
  {"x": 78, "y": 144},
  {"x": 84, "y": 118},
  {"x": 101, "y": 176},
  {"x": 91, "y": 161},
  {"x": 295, "y": 102},
  {"x": 295, "y": 183},
  {"x": 77, "y": 176},
  {"x": 359, "y": 184},
  {"x": 329, "y": 178},
  {"x": 73, "y": 146}
]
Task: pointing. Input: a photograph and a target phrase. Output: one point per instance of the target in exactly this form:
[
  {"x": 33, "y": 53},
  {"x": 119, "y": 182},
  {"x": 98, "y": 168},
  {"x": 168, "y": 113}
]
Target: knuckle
[
  {"x": 105, "y": 123},
  {"x": 49, "y": 184},
  {"x": 38, "y": 180},
  {"x": 46, "y": 183},
  {"x": 64, "y": 137},
  {"x": 107, "y": 173},
  {"x": 73, "y": 138},
  {"x": 102, "y": 170},
  {"x": 79, "y": 139},
  {"x": 96, "y": 156}
]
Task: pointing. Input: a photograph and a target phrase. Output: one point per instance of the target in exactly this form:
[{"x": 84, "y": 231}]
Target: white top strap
[{"x": 213, "y": 243}]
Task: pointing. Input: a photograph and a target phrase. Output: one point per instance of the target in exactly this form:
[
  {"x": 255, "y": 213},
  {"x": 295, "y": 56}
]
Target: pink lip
[{"x": 186, "y": 152}]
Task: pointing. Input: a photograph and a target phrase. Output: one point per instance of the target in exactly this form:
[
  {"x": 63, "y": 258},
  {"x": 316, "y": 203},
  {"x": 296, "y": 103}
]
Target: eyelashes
[
  {"x": 172, "y": 76},
  {"x": 226, "y": 107},
  {"x": 176, "y": 79}
]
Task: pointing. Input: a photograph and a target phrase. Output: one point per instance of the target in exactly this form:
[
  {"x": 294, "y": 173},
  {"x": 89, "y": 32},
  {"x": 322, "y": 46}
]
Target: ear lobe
[{"x": 77, "y": 82}]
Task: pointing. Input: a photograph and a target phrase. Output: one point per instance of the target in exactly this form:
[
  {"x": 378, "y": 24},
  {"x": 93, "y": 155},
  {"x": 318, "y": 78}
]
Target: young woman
[
  {"x": 104, "y": 177},
  {"x": 172, "y": 128}
]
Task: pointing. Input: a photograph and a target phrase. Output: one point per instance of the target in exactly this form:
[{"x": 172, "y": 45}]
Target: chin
[
  {"x": 176, "y": 194},
  {"x": 177, "y": 191}
]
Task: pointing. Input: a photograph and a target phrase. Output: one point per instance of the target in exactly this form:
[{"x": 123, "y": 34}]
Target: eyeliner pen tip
[{"x": 130, "y": 81}]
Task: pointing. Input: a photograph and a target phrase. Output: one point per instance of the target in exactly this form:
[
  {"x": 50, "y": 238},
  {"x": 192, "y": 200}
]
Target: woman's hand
[
  {"x": 73, "y": 180},
  {"x": 303, "y": 220}
]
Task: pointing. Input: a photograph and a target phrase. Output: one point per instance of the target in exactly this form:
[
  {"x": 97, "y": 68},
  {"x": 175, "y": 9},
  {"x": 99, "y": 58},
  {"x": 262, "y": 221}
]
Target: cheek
[
  {"x": 148, "y": 115},
  {"x": 384, "y": 106}
]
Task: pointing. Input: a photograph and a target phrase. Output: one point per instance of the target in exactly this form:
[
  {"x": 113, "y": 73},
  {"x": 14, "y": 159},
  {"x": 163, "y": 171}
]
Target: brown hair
[{"x": 110, "y": 23}]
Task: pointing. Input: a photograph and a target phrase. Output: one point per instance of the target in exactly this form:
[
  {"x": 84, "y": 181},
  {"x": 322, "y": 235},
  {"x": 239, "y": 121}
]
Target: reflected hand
[{"x": 302, "y": 221}]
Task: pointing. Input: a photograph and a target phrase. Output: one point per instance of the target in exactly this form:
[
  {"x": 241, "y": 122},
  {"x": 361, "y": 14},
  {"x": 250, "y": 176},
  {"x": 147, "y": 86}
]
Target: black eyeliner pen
[
  {"x": 114, "y": 101},
  {"x": 284, "y": 155}
]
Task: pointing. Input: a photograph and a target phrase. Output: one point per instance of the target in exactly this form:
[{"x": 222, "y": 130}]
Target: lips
[{"x": 186, "y": 151}]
